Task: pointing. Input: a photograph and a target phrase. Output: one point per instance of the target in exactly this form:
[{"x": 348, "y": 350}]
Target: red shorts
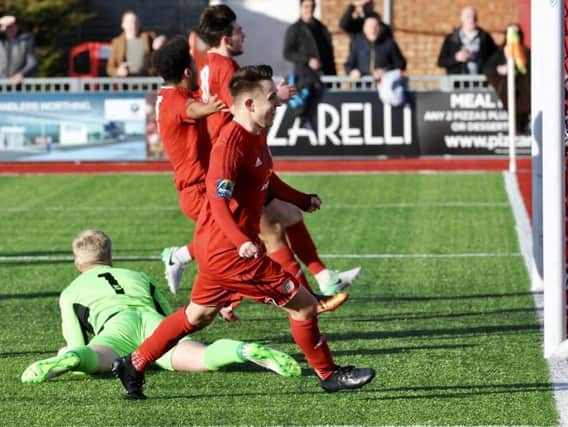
[
  {"x": 191, "y": 199},
  {"x": 263, "y": 280}
]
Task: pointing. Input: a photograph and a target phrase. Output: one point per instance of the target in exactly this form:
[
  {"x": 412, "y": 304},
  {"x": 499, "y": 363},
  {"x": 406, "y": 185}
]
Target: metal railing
[{"x": 152, "y": 84}]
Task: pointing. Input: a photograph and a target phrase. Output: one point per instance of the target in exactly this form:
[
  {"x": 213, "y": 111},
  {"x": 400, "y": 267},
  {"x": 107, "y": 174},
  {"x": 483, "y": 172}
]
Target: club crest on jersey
[
  {"x": 225, "y": 188},
  {"x": 288, "y": 287}
]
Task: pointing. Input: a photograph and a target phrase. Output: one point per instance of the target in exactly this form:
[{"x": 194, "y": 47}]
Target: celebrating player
[
  {"x": 228, "y": 249},
  {"x": 281, "y": 223},
  {"x": 186, "y": 141},
  {"x": 120, "y": 308}
]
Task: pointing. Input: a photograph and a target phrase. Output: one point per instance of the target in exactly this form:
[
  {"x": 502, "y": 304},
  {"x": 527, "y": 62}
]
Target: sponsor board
[
  {"x": 345, "y": 124},
  {"x": 61, "y": 126},
  {"x": 464, "y": 123}
]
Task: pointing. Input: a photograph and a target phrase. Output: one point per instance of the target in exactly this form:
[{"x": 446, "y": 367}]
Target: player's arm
[
  {"x": 70, "y": 326},
  {"x": 280, "y": 190},
  {"x": 198, "y": 110},
  {"x": 220, "y": 183},
  {"x": 224, "y": 78},
  {"x": 161, "y": 304}
]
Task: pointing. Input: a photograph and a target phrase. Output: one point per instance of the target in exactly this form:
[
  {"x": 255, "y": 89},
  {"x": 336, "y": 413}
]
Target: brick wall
[{"x": 420, "y": 25}]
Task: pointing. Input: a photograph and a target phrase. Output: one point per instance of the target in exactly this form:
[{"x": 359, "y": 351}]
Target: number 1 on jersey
[{"x": 112, "y": 282}]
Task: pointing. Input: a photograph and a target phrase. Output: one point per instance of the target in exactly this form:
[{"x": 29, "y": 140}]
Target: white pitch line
[
  {"x": 414, "y": 256},
  {"x": 326, "y": 206},
  {"x": 60, "y": 258},
  {"x": 557, "y": 367}
]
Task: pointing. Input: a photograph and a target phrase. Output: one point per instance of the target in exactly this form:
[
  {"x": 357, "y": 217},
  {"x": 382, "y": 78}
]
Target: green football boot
[
  {"x": 268, "y": 358},
  {"x": 45, "y": 369}
]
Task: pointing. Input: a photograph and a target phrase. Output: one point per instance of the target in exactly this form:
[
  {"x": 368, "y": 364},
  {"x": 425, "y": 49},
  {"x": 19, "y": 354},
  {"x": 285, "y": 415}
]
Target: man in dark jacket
[
  {"x": 496, "y": 72},
  {"x": 372, "y": 52},
  {"x": 467, "y": 49},
  {"x": 17, "y": 57},
  {"x": 308, "y": 45}
]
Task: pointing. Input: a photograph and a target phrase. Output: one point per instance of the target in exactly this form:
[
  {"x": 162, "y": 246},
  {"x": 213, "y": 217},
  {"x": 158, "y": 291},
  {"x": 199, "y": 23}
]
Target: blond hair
[{"x": 92, "y": 247}]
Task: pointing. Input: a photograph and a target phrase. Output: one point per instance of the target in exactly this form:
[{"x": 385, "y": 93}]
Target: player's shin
[
  {"x": 288, "y": 262},
  {"x": 167, "y": 334},
  {"x": 313, "y": 344},
  {"x": 304, "y": 247},
  {"x": 223, "y": 352}
]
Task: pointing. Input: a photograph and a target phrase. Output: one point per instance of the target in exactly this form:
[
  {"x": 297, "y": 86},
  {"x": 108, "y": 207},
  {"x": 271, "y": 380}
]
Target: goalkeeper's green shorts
[{"x": 125, "y": 331}]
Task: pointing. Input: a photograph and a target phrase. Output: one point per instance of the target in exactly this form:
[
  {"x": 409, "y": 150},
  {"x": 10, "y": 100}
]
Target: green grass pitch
[{"x": 454, "y": 340}]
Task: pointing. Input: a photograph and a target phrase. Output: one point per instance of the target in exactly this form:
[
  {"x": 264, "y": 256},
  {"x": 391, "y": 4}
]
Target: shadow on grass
[
  {"x": 397, "y": 393},
  {"x": 402, "y": 298},
  {"x": 383, "y": 351},
  {"x": 39, "y": 354},
  {"x": 65, "y": 256},
  {"x": 414, "y": 315},
  {"x": 459, "y": 391},
  {"x": 393, "y": 350},
  {"x": 30, "y": 295},
  {"x": 66, "y": 252},
  {"x": 410, "y": 333}
]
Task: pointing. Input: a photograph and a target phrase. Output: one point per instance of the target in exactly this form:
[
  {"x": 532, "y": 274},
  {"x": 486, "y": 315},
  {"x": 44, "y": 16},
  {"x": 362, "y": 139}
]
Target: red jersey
[
  {"x": 198, "y": 50},
  {"x": 185, "y": 140},
  {"x": 238, "y": 180},
  {"x": 214, "y": 80}
]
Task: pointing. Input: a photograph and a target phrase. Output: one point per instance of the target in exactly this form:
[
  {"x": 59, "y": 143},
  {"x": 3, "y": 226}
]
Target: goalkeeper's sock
[
  {"x": 88, "y": 359},
  {"x": 165, "y": 336},
  {"x": 304, "y": 247},
  {"x": 313, "y": 344},
  {"x": 288, "y": 262},
  {"x": 223, "y": 352}
]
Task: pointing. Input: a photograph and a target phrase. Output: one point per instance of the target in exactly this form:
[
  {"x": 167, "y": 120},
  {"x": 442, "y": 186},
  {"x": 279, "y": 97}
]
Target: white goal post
[{"x": 547, "y": 67}]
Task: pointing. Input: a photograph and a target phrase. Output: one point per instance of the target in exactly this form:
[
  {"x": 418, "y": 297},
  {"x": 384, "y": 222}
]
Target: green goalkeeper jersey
[{"x": 102, "y": 292}]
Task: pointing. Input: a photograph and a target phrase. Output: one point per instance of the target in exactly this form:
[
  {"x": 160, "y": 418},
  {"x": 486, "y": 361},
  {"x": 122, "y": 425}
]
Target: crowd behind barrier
[
  {"x": 152, "y": 84},
  {"x": 113, "y": 119}
]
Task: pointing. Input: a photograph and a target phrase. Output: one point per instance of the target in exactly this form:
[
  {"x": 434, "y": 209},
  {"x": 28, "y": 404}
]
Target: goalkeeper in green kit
[{"x": 117, "y": 309}]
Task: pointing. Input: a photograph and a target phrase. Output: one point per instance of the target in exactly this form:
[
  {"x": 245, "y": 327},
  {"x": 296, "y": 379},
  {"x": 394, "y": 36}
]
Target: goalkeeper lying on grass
[{"x": 118, "y": 309}]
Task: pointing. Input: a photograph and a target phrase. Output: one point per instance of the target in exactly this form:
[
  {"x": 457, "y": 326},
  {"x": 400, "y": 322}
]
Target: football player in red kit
[
  {"x": 183, "y": 133},
  {"x": 230, "y": 255},
  {"x": 282, "y": 228},
  {"x": 182, "y": 127}
]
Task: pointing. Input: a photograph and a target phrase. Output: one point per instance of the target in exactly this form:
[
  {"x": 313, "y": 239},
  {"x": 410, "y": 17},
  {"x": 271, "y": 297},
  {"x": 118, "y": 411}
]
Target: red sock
[
  {"x": 302, "y": 244},
  {"x": 167, "y": 334},
  {"x": 288, "y": 262},
  {"x": 313, "y": 344},
  {"x": 190, "y": 250}
]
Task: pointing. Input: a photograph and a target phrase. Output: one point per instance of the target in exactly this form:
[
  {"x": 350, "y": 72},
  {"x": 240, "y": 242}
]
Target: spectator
[
  {"x": 372, "y": 52},
  {"x": 17, "y": 57},
  {"x": 131, "y": 51},
  {"x": 352, "y": 20},
  {"x": 467, "y": 49},
  {"x": 308, "y": 45},
  {"x": 496, "y": 72}
]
